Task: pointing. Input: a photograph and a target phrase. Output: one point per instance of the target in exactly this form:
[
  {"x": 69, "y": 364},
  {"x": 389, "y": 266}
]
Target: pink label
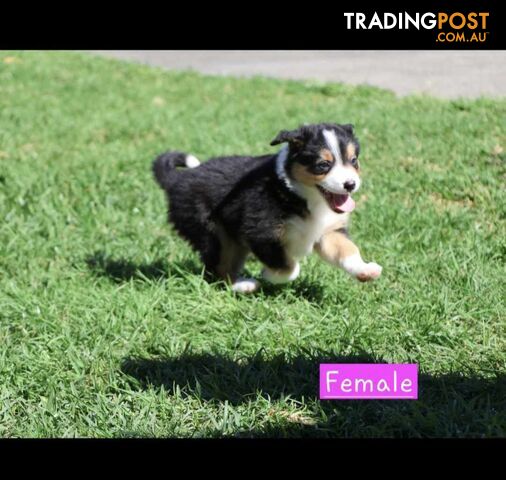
[{"x": 383, "y": 381}]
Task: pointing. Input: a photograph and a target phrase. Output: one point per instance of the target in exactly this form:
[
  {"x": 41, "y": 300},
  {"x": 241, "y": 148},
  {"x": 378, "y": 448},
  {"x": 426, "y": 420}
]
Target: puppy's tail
[{"x": 164, "y": 166}]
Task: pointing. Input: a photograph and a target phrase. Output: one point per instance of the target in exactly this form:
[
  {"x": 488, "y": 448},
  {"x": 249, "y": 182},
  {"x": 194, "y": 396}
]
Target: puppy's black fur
[{"x": 240, "y": 197}]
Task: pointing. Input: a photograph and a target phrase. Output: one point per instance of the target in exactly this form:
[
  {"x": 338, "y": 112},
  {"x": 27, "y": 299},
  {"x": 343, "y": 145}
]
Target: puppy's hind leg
[
  {"x": 232, "y": 258},
  {"x": 225, "y": 259},
  {"x": 209, "y": 248}
]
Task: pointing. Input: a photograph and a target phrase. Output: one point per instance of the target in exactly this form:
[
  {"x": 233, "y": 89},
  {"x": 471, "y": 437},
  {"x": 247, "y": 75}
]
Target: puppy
[{"x": 279, "y": 207}]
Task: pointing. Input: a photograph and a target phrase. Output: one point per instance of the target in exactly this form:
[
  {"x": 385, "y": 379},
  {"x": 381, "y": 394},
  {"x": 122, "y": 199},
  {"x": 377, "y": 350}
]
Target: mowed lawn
[{"x": 107, "y": 327}]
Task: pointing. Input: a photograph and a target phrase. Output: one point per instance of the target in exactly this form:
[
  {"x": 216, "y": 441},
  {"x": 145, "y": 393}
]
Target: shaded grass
[{"x": 108, "y": 327}]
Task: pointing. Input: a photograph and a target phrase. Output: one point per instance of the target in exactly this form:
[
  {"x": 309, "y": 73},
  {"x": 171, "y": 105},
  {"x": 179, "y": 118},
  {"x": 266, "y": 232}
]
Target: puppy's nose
[{"x": 349, "y": 185}]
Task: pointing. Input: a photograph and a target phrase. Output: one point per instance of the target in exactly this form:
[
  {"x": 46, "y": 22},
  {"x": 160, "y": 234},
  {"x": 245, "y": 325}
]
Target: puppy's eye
[
  {"x": 354, "y": 162},
  {"x": 321, "y": 168}
]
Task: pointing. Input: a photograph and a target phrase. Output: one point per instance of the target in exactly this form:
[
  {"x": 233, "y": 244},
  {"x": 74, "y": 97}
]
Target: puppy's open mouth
[{"x": 339, "y": 202}]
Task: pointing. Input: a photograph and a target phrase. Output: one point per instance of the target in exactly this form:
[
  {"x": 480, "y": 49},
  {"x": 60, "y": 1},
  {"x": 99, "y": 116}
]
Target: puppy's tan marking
[
  {"x": 351, "y": 151},
  {"x": 337, "y": 249},
  {"x": 326, "y": 155},
  {"x": 302, "y": 175},
  {"x": 335, "y": 246},
  {"x": 232, "y": 257}
]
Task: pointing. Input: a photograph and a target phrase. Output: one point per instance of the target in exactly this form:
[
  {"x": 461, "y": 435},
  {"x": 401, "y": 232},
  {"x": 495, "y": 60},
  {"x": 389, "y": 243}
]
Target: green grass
[{"x": 107, "y": 327}]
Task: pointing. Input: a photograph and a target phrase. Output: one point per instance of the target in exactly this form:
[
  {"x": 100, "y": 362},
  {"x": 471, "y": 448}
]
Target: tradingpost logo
[{"x": 450, "y": 27}]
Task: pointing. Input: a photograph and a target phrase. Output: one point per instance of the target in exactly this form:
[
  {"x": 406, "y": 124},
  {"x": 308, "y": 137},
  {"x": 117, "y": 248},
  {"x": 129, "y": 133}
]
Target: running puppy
[{"x": 279, "y": 207}]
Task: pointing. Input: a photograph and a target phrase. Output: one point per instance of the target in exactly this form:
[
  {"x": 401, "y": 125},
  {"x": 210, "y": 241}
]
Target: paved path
[{"x": 446, "y": 74}]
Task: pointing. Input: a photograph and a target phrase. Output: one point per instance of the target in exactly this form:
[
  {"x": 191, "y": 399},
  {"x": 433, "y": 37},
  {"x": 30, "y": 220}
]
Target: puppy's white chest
[{"x": 302, "y": 233}]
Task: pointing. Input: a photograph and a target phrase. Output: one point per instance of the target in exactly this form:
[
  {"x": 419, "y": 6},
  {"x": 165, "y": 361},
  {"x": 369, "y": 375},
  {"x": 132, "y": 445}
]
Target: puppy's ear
[
  {"x": 349, "y": 128},
  {"x": 294, "y": 137}
]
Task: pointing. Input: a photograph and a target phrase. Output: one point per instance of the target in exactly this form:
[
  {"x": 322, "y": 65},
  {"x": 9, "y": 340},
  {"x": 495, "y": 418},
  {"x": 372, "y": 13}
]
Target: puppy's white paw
[
  {"x": 362, "y": 271},
  {"x": 245, "y": 285},
  {"x": 371, "y": 271},
  {"x": 274, "y": 276}
]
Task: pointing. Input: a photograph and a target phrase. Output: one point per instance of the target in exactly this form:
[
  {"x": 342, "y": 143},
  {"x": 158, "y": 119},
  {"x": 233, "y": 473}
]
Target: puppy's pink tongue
[{"x": 344, "y": 203}]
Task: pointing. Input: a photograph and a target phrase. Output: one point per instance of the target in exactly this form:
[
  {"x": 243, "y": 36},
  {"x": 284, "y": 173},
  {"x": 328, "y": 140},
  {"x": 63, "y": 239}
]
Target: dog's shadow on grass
[
  {"x": 452, "y": 400},
  {"x": 120, "y": 270},
  {"x": 311, "y": 291}
]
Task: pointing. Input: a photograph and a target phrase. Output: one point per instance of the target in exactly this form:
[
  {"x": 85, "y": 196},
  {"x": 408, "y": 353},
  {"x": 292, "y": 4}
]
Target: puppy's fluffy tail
[{"x": 164, "y": 166}]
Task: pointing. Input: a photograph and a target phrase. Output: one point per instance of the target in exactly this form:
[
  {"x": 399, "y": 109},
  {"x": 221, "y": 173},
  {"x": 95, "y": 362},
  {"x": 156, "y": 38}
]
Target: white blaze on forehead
[{"x": 333, "y": 144}]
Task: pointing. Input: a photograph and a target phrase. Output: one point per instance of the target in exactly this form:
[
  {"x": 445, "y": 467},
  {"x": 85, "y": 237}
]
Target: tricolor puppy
[{"x": 279, "y": 207}]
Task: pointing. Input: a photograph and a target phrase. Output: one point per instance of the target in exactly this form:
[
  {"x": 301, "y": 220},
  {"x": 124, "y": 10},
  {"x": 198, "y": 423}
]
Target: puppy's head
[{"x": 324, "y": 157}]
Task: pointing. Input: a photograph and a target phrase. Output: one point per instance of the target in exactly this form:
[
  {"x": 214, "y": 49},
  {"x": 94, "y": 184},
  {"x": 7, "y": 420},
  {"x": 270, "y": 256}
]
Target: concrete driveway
[{"x": 447, "y": 74}]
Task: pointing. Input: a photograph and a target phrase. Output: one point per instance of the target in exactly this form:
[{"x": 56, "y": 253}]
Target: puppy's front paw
[
  {"x": 370, "y": 271},
  {"x": 362, "y": 271}
]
